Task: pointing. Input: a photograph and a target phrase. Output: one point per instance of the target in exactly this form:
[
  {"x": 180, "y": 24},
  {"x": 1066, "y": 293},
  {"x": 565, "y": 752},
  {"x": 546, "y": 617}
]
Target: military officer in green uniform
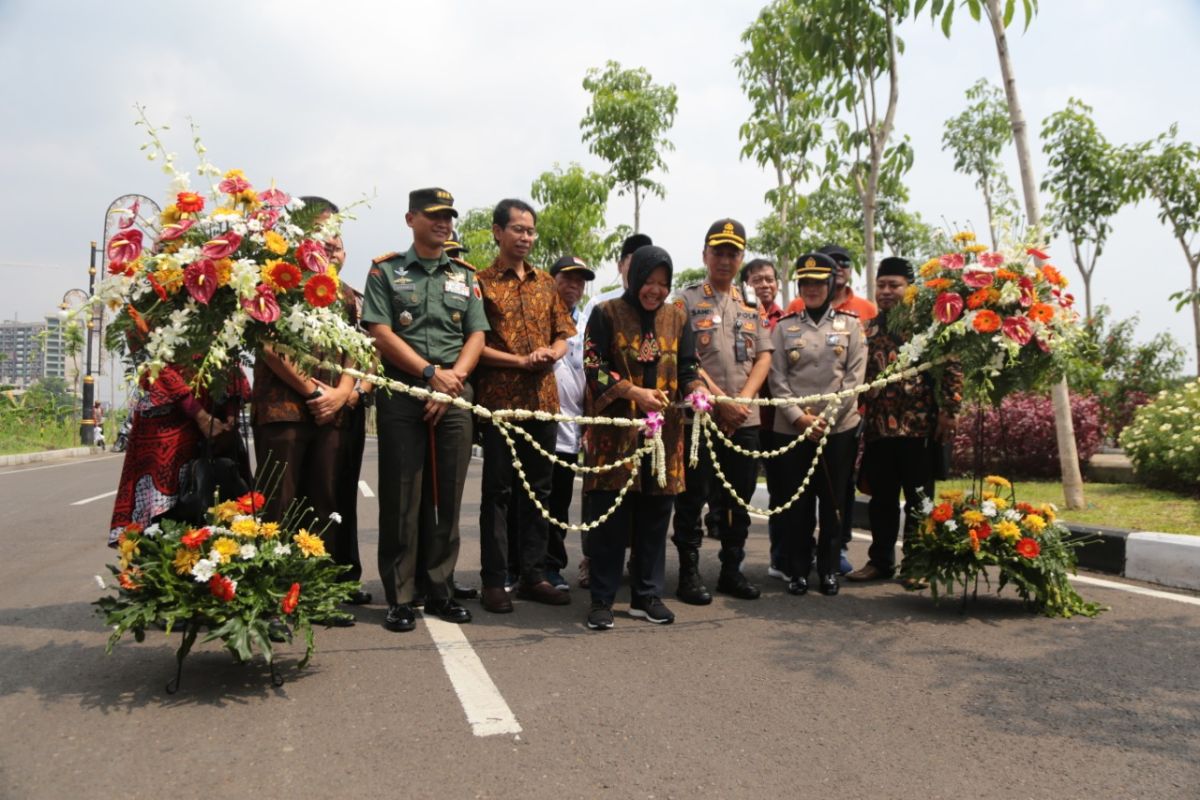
[{"x": 426, "y": 315}]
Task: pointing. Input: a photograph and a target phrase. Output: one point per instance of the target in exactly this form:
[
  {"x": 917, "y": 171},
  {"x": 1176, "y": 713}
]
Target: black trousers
[
  {"x": 345, "y": 550},
  {"x": 700, "y": 481},
  {"x": 892, "y": 465},
  {"x": 851, "y": 482},
  {"x": 415, "y": 536},
  {"x": 562, "y": 489},
  {"x": 501, "y": 489},
  {"x": 639, "y": 523},
  {"x": 824, "y": 493},
  {"x": 775, "y": 531}
]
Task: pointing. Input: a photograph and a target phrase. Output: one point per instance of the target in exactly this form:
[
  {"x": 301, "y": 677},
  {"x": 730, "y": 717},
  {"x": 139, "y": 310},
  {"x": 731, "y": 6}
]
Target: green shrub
[{"x": 1163, "y": 441}]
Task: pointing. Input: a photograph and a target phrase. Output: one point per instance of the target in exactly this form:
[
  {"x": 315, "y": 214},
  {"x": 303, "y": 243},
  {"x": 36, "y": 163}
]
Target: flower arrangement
[
  {"x": 227, "y": 271},
  {"x": 245, "y": 579},
  {"x": 962, "y": 535},
  {"x": 1001, "y": 317}
]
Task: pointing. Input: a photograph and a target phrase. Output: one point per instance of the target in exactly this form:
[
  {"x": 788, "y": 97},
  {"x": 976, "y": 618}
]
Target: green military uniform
[{"x": 433, "y": 305}]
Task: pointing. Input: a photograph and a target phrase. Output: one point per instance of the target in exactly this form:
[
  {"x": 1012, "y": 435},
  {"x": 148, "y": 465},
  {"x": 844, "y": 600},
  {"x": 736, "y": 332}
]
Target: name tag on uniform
[{"x": 457, "y": 287}]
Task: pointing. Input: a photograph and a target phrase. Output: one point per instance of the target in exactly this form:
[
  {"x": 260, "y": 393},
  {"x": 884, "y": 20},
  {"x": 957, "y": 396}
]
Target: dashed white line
[
  {"x": 87, "y": 500},
  {"x": 365, "y": 489},
  {"x": 482, "y": 702}
]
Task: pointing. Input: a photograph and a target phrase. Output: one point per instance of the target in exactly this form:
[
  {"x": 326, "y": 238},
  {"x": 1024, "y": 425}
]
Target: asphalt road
[{"x": 874, "y": 693}]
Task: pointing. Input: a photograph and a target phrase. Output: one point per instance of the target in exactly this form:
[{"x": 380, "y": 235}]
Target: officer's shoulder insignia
[
  {"x": 793, "y": 328},
  {"x": 375, "y": 271},
  {"x": 692, "y": 286},
  {"x": 790, "y": 315},
  {"x": 462, "y": 263},
  {"x": 846, "y": 311},
  {"x": 679, "y": 303},
  {"x": 385, "y": 257}
]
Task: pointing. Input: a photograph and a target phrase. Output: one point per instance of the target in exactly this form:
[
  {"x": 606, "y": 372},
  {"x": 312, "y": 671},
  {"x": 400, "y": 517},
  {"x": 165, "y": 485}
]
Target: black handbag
[{"x": 210, "y": 480}]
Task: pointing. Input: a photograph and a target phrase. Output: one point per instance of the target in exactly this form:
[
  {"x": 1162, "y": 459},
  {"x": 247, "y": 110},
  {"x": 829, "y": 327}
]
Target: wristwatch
[
  {"x": 428, "y": 372},
  {"x": 315, "y": 394}
]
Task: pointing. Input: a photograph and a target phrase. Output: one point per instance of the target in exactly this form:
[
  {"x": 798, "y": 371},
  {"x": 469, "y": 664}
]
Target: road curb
[
  {"x": 1168, "y": 559},
  {"x": 44, "y": 455}
]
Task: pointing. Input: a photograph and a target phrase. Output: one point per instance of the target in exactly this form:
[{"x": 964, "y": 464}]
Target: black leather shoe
[
  {"x": 400, "y": 618},
  {"x": 829, "y": 584},
  {"x": 735, "y": 584},
  {"x": 448, "y": 610},
  {"x": 359, "y": 598},
  {"x": 465, "y": 592},
  {"x": 798, "y": 586}
]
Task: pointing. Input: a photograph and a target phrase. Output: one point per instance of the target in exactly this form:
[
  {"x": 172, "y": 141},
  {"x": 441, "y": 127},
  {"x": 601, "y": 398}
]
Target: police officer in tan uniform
[
  {"x": 817, "y": 350},
  {"x": 734, "y": 349}
]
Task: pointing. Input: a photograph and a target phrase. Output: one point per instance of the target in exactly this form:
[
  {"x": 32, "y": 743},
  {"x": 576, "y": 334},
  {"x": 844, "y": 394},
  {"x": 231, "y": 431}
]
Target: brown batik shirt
[
  {"x": 525, "y": 314},
  {"x": 909, "y": 407}
]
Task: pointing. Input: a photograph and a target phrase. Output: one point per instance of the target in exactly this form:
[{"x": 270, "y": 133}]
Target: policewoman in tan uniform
[
  {"x": 734, "y": 350},
  {"x": 818, "y": 350},
  {"x": 426, "y": 315}
]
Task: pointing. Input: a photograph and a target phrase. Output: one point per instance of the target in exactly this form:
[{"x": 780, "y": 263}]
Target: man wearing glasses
[
  {"x": 530, "y": 326},
  {"x": 425, "y": 313}
]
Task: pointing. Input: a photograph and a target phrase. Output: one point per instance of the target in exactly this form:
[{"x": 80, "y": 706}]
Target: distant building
[{"x": 30, "y": 351}]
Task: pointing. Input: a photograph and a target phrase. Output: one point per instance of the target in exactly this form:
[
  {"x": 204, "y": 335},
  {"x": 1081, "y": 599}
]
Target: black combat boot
[
  {"x": 691, "y": 589},
  {"x": 732, "y": 582}
]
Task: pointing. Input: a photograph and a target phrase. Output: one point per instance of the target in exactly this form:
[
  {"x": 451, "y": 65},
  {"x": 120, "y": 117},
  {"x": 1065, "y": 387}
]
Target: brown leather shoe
[
  {"x": 543, "y": 592},
  {"x": 496, "y": 600},
  {"x": 867, "y": 572}
]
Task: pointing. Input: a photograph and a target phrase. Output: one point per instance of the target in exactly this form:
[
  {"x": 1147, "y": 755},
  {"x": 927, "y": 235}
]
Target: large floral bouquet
[
  {"x": 963, "y": 535},
  {"x": 1005, "y": 320},
  {"x": 224, "y": 272},
  {"x": 246, "y": 580}
]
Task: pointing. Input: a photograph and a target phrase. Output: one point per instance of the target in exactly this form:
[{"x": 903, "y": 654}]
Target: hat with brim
[
  {"x": 814, "y": 267},
  {"x": 573, "y": 266},
  {"x": 431, "y": 201},
  {"x": 726, "y": 231},
  {"x": 455, "y": 243},
  {"x": 839, "y": 254}
]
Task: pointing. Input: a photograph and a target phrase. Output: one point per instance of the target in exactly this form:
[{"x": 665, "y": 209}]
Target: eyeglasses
[{"x": 521, "y": 230}]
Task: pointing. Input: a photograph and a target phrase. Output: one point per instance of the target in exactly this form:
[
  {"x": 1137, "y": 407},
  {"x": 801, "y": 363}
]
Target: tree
[
  {"x": 1088, "y": 184},
  {"x": 626, "y": 126},
  {"x": 784, "y": 125},
  {"x": 571, "y": 219},
  {"x": 1169, "y": 171},
  {"x": 685, "y": 277},
  {"x": 976, "y": 137},
  {"x": 475, "y": 228},
  {"x": 857, "y": 45},
  {"x": 999, "y": 20}
]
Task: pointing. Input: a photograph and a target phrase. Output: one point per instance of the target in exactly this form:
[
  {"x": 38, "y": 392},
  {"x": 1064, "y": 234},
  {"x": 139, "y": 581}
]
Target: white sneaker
[{"x": 778, "y": 573}]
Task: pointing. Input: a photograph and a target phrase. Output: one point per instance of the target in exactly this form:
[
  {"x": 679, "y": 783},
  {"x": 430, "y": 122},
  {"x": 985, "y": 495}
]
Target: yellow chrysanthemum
[
  {"x": 185, "y": 559},
  {"x": 930, "y": 267},
  {"x": 128, "y": 548},
  {"x": 975, "y": 248},
  {"x": 275, "y": 243},
  {"x": 226, "y": 548},
  {"x": 225, "y": 511},
  {"x": 951, "y": 495},
  {"x": 170, "y": 278},
  {"x": 268, "y": 530},
  {"x": 246, "y": 527},
  {"x": 170, "y": 214},
  {"x": 1049, "y": 513},
  {"x": 1008, "y": 530},
  {"x": 234, "y": 173},
  {"x": 964, "y": 236},
  {"x": 226, "y": 211},
  {"x": 248, "y": 198},
  {"x": 910, "y": 295},
  {"x": 224, "y": 269},
  {"x": 996, "y": 480},
  {"x": 1000, "y": 502},
  {"x": 1035, "y": 523},
  {"x": 930, "y": 526},
  {"x": 973, "y": 518},
  {"x": 309, "y": 545}
]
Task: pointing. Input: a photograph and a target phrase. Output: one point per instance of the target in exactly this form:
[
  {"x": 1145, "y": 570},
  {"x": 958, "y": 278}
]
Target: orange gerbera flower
[
  {"x": 978, "y": 298},
  {"x": 974, "y": 539},
  {"x": 1029, "y": 547},
  {"x": 1051, "y": 274},
  {"x": 126, "y": 579},
  {"x": 1041, "y": 312},
  {"x": 320, "y": 291},
  {"x": 1006, "y": 275},
  {"x": 987, "y": 321},
  {"x": 942, "y": 512},
  {"x": 937, "y": 284},
  {"x": 285, "y": 276},
  {"x": 291, "y": 599}
]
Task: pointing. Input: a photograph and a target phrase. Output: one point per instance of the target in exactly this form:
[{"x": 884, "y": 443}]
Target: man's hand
[
  {"x": 648, "y": 399},
  {"x": 434, "y": 411},
  {"x": 324, "y": 407},
  {"x": 814, "y": 424},
  {"x": 731, "y": 416},
  {"x": 540, "y": 359},
  {"x": 446, "y": 381}
]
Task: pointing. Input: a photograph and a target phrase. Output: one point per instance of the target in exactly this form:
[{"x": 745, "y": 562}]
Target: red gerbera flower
[
  {"x": 189, "y": 202},
  {"x": 291, "y": 599},
  {"x": 193, "y": 539},
  {"x": 251, "y": 502},
  {"x": 320, "y": 290},
  {"x": 1029, "y": 547}
]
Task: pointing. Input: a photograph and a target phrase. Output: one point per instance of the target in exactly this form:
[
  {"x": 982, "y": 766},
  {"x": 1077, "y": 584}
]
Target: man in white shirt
[{"x": 570, "y": 275}]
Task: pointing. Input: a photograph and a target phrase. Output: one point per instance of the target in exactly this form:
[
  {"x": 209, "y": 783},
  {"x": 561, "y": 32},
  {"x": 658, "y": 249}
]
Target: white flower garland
[{"x": 553, "y": 457}]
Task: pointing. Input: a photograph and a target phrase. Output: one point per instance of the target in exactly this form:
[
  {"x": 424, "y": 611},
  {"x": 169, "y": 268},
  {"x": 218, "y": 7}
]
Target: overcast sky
[{"x": 357, "y": 98}]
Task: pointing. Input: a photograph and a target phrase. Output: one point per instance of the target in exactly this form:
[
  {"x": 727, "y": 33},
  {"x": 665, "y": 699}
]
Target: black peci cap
[
  {"x": 632, "y": 243},
  {"x": 895, "y": 265}
]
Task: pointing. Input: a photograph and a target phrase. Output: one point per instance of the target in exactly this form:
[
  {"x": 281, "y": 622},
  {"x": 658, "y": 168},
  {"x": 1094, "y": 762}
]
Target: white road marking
[
  {"x": 56, "y": 466},
  {"x": 1084, "y": 579},
  {"x": 365, "y": 489},
  {"x": 485, "y": 708},
  {"x": 87, "y": 500}
]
